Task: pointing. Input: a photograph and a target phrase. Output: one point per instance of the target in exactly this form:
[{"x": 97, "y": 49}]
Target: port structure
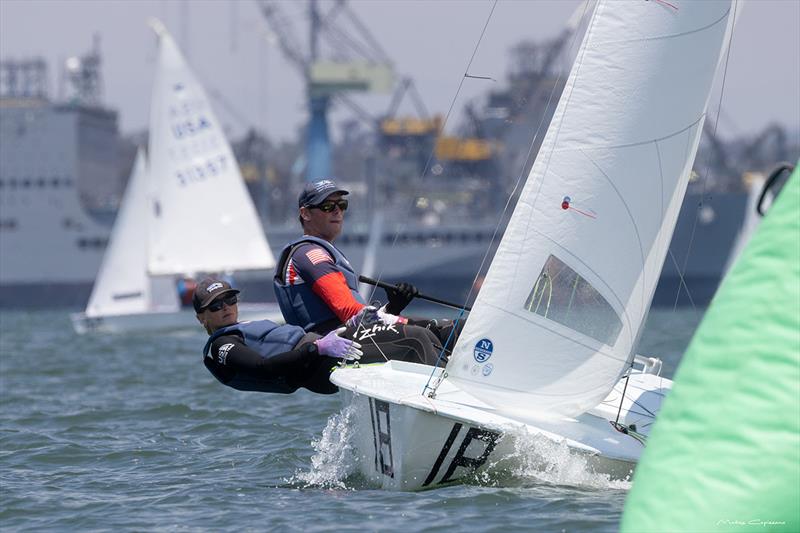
[{"x": 353, "y": 61}]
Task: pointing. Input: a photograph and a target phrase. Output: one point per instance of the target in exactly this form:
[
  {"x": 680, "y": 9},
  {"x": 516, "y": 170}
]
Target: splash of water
[
  {"x": 534, "y": 458},
  {"x": 543, "y": 459},
  {"x": 334, "y": 458}
]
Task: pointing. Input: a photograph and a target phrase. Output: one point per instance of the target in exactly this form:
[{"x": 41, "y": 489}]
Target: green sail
[{"x": 724, "y": 454}]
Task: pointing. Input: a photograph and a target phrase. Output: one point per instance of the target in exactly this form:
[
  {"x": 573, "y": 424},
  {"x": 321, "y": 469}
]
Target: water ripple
[{"x": 132, "y": 433}]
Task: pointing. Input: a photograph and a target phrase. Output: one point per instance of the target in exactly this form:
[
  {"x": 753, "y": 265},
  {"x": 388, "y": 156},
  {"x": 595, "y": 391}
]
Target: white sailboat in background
[
  {"x": 548, "y": 349},
  {"x": 185, "y": 214}
]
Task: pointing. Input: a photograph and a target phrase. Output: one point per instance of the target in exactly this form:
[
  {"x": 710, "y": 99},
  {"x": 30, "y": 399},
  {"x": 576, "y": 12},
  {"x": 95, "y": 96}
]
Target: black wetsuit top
[{"x": 235, "y": 364}]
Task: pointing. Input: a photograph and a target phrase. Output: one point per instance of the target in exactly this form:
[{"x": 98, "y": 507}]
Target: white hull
[
  {"x": 163, "y": 321},
  {"x": 407, "y": 441}
]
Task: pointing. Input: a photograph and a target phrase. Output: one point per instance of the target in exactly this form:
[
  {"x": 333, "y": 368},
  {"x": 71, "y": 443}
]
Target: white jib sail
[
  {"x": 205, "y": 220},
  {"x": 122, "y": 285},
  {"x": 556, "y": 320}
]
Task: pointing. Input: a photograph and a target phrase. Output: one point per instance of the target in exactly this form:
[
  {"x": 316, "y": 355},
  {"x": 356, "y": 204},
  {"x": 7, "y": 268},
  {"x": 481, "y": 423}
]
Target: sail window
[{"x": 560, "y": 294}]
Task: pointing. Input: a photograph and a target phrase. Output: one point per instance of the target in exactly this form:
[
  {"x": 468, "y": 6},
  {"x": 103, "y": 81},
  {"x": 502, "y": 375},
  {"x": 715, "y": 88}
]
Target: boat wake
[{"x": 540, "y": 459}]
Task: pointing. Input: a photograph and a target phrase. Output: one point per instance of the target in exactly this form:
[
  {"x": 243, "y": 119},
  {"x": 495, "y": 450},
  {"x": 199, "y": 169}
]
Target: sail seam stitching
[
  {"x": 638, "y": 143},
  {"x": 672, "y": 36},
  {"x": 633, "y": 223}
]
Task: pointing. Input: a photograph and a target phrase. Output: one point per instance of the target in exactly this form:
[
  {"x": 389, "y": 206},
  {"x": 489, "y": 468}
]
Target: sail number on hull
[{"x": 384, "y": 462}]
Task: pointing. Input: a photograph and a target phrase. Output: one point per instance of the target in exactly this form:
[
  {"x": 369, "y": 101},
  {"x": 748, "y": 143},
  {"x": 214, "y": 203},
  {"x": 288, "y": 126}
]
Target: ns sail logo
[{"x": 483, "y": 350}]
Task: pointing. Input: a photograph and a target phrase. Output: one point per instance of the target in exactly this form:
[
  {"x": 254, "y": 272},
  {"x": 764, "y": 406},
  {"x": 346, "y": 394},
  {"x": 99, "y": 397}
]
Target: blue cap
[{"x": 316, "y": 193}]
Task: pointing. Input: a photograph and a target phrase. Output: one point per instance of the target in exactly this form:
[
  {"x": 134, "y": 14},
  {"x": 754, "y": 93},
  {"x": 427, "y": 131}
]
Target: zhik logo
[{"x": 363, "y": 333}]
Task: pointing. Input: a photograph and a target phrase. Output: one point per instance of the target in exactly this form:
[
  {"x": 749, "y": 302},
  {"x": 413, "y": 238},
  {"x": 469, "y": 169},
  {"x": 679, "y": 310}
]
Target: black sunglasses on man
[{"x": 329, "y": 206}]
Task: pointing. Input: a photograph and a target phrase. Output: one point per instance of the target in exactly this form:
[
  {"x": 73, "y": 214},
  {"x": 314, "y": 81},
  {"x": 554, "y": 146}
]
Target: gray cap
[{"x": 316, "y": 193}]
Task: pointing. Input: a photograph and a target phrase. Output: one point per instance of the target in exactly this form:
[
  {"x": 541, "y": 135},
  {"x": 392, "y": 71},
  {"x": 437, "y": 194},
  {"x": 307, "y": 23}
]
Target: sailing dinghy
[
  {"x": 548, "y": 348},
  {"x": 185, "y": 214}
]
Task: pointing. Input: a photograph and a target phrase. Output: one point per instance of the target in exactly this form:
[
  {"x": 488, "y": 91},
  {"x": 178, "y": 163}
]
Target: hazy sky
[{"x": 229, "y": 46}]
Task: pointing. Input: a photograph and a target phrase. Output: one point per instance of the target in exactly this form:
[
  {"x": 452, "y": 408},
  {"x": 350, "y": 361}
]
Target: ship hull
[{"x": 48, "y": 295}]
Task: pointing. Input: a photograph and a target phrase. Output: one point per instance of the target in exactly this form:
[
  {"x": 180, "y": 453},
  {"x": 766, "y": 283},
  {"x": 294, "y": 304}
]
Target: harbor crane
[{"x": 352, "y": 60}]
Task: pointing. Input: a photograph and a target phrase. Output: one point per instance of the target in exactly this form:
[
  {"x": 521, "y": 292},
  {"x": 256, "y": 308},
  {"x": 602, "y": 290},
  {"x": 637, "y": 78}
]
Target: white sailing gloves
[
  {"x": 390, "y": 319},
  {"x": 369, "y": 315}
]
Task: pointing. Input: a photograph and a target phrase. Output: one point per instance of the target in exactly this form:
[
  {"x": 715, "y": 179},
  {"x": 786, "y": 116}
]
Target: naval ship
[
  {"x": 63, "y": 168},
  {"x": 59, "y": 172}
]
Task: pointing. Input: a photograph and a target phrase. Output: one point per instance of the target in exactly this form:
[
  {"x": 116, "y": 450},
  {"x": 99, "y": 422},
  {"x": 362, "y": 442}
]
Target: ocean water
[{"x": 132, "y": 433}]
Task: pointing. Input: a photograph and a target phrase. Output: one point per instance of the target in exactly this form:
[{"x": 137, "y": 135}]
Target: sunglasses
[
  {"x": 328, "y": 207},
  {"x": 216, "y": 305}
]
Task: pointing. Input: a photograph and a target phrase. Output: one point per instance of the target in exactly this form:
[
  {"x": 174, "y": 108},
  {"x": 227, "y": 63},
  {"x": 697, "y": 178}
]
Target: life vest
[
  {"x": 268, "y": 339},
  {"x": 298, "y": 303}
]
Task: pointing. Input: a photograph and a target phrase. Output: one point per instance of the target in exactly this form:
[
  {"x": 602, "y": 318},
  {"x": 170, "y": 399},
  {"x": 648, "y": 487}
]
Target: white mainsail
[
  {"x": 122, "y": 285},
  {"x": 204, "y": 219},
  {"x": 560, "y": 311}
]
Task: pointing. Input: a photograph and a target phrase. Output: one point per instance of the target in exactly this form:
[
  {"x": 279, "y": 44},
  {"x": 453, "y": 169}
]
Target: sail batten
[{"x": 585, "y": 245}]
